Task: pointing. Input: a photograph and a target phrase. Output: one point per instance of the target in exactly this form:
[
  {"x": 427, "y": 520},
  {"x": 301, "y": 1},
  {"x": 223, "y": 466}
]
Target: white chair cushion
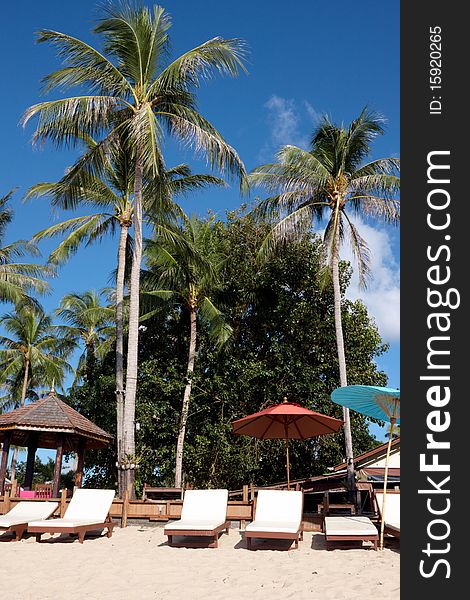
[
  {"x": 89, "y": 505},
  {"x": 392, "y": 509},
  {"x": 273, "y": 526},
  {"x": 59, "y": 523},
  {"x": 26, "y": 511},
  {"x": 279, "y": 506},
  {"x": 205, "y": 505},
  {"x": 360, "y": 526},
  {"x": 199, "y": 525}
]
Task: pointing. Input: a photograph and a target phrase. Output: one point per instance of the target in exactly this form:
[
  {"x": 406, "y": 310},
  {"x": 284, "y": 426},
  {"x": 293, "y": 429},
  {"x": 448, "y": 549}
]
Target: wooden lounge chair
[
  {"x": 392, "y": 512},
  {"x": 16, "y": 520},
  {"x": 204, "y": 514},
  {"x": 354, "y": 528},
  {"x": 278, "y": 516},
  {"x": 88, "y": 510}
]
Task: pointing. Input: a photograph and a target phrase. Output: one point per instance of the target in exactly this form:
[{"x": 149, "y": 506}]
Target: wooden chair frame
[
  {"x": 350, "y": 538},
  {"x": 277, "y": 535},
  {"x": 211, "y": 533},
  {"x": 353, "y": 538},
  {"x": 392, "y": 530},
  {"x": 17, "y": 529},
  {"x": 80, "y": 530}
]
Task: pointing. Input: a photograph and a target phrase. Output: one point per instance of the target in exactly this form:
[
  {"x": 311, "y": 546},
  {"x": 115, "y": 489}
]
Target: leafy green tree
[
  {"x": 283, "y": 343},
  {"x": 34, "y": 353},
  {"x": 18, "y": 280},
  {"x": 187, "y": 271},
  {"x": 90, "y": 323},
  {"x": 333, "y": 181},
  {"x": 132, "y": 92}
]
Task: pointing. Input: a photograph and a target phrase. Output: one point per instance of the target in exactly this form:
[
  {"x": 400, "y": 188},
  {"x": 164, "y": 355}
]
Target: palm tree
[
  {"x": 17, "y": 280},
  {"x": 133, "y": 95},
  {"x": 34, "y": 354},
  {"x": 186, "y": 270},
  {"x": 332, "y": 178},
  {"x": 112, "y": 190},
  {"x": 90, "y": 323}
]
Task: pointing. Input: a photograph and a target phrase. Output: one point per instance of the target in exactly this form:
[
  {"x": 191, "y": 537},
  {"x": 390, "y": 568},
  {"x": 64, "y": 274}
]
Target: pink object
[{"x": 27, "y": 494}]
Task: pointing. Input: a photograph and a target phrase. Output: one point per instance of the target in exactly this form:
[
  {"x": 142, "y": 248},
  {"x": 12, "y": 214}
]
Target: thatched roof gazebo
[{"x": 49, "y": 423}]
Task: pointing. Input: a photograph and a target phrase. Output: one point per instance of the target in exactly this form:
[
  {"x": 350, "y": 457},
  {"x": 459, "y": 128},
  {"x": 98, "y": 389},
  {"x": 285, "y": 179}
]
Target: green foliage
[
  {"x": 283, "y": 344},
  {"x": 96, "y": 400},
  {"x": 185, "y": 268},
  {"x": 90, "y": 324},
  {"x": 34, "y": 354},
  {"x": 18, "y": 280}
]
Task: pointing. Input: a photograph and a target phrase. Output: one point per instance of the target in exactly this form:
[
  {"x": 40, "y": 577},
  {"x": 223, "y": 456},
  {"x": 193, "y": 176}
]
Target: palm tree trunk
[
  {"x": 186, "y": 399},
  {"x": 24, "y": 390},
  {"x": 342, "y": 363},
  {"x": 90, "y": 363},
  {"x": 133, "y": 336},
  {"x": 120, "y": 349}
]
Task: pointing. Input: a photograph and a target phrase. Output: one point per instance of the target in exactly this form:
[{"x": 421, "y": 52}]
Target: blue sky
[{"x": 306, "y": 58}]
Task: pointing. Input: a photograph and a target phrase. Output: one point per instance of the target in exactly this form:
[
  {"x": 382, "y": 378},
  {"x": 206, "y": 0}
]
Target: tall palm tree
[
  {"x": 34, "y": 353},
  {"x": 332, "y": 180},
  {"x": 133, "y": 92},
  {"x": 90, "y": 323},
  {"x": 112, "y": 190},
  {"x": 18, "y": 280},
  {"x": 187, "y": 271}
]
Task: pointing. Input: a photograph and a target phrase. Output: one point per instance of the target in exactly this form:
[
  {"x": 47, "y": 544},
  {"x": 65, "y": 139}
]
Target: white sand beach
[{"x": 137, "y": 564}]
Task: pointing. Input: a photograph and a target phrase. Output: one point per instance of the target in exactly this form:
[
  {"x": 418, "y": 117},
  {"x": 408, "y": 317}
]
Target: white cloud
[
  {"x": 285, "y": 120},
  {"x": 382, "y": 296},
  {"x": 314, "y": 115}
]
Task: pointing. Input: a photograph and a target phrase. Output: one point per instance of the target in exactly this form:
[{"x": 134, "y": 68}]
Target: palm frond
[
  {"x": 136, "y": 38},
  {"x": 361, "y": 252},
  {"x": 218, "y": 55},
  {"x": 80, "y": 230},
  {"x": 219, "y": 330},
  {"x": 64, "y": 121},
  {"x": 85, "y": 66},
  {"x": 195, "y": 131},
  {"x": 290, "y": 228}
]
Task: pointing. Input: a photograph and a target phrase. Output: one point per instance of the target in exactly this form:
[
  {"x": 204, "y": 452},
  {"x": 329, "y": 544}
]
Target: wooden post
[
  {"x": 393, "y": 420},
  {"x": 81, "y": 458},
  {"x": 326, "y": 504},
  {"x": 63, "y": 502},
  {"x": 358, "y": 507},
  {"x": 252, "y": 491},
  {"x": 4, "y": 461},
  {"x": 29, "y": 473},
  {"x": 6, "y": 501},
  {"x": 125, "y": 508},
  {"x": 245, "y": 499},
  {"x": 287, "y": 463},
  {"x": 58, "y": 466}
]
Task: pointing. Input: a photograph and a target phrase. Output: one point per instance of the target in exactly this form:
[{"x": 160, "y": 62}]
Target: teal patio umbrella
[{"x": 378, "y": 403}]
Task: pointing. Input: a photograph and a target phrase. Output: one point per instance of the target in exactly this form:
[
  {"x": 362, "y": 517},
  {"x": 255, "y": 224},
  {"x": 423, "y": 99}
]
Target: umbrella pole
[
  {"x": 287, "y": 463},
  {"x": 382, "y": 521}
]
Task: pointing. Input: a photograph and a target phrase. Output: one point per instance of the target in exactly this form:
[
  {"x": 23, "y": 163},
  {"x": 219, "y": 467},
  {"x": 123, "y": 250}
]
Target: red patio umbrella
[{"x": 286, "y": 421}]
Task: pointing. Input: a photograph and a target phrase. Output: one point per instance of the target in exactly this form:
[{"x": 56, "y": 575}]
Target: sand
[{"x": 137, "y": 564}]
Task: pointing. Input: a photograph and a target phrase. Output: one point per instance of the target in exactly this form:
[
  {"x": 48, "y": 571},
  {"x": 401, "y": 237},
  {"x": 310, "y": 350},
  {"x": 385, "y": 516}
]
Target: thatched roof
[{"x": 46, "y": 419}]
